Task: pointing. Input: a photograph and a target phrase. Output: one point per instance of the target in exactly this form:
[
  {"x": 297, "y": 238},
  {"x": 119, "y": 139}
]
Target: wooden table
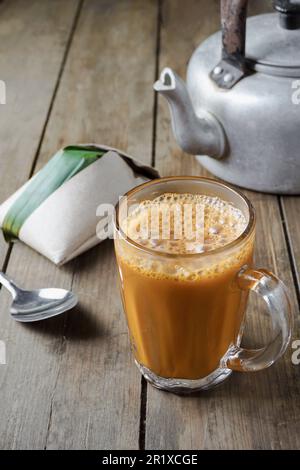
[{"x": 82, "y": 71}]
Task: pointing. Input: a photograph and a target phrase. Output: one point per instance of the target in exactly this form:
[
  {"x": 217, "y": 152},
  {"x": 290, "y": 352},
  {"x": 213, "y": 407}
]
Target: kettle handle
[
  {"x": 233, "y": 20},
  {"x": 232, "y": 66}
]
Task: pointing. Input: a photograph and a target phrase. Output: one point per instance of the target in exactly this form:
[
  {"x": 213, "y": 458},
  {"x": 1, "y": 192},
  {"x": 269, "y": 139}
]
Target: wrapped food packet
[{"x": 55, "y": 212}]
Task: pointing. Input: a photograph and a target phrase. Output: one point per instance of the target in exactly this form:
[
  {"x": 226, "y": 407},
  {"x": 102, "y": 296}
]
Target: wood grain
[
  {"x": 106, "y": 97},
  {"x": 291, "y": 213},
  {"x": 32, "y": 48},
  {"x": 250, "y": 410},
  {"x": 71, "y": 382},
  {"x": 32, "y": 44}
]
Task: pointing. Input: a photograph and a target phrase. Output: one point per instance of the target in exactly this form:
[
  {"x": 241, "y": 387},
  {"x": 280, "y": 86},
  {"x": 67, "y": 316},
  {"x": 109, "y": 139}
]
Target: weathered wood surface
[
  {"x": 106, "y": 92},
  {"x": 291, "y": 213},
  {"x": 33, "y": 40},
  {"x": 70, "y": 382},
  {"x": 251, "y": 410}
]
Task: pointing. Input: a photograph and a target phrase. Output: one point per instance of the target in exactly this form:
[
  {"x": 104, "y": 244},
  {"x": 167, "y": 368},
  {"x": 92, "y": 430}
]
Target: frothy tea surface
[
  {"x": 184, "y": 223},
  {"x": 183, "y": 312}
]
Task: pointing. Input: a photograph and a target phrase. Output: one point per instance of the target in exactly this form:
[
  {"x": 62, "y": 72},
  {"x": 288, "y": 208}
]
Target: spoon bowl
[{"x": 36, "y": 305}]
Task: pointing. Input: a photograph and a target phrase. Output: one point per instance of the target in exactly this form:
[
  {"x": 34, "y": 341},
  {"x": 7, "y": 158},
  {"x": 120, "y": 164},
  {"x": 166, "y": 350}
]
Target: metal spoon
[{"x": 36, "y": 305}]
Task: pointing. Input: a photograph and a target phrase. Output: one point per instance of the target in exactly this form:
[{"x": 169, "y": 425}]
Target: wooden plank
[
  {"x": 114, "y": 105},
  {"x": 113, "y": 101},
  {"x": 291, "y": 211},
  {"x": 32, "y": 47},
  {"x": 250, "y": 410},
  {"x": 71, "y": 382},
  {"x": 33, "y": 354},
  {"x": 32, "y": 43}
]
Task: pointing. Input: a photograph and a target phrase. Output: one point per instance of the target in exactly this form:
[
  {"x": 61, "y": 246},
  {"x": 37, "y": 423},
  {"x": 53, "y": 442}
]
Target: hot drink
[{"x": 184, "y": 249}]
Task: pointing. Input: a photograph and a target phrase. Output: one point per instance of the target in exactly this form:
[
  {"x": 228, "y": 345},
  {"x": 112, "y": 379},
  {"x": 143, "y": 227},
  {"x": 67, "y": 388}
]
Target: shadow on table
[
  {"x": 263, "y": 387},
  {"x": 75, "y": 325},
  {"x": 91, "y": 260}
]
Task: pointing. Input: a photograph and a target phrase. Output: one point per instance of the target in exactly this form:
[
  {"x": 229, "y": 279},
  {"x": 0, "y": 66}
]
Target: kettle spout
[{"x": 196, "y": 135}]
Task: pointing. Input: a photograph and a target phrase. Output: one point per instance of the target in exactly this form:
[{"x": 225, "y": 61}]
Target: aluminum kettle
[{"x": 239, "y": 111}]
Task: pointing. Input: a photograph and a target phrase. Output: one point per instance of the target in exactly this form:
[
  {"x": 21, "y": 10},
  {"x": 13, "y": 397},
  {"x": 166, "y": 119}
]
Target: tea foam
[{"x": 184, "y": 223}]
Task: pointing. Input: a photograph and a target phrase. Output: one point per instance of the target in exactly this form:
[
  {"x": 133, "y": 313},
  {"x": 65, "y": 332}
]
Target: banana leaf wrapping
[{"x": 55, "y": 212}]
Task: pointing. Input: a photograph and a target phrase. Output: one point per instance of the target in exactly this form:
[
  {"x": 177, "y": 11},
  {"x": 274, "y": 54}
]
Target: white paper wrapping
[{"x": 64, "y": 225}]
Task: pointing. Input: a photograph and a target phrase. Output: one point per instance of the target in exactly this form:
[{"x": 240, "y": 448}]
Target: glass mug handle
[{"x": 274, "y": 293}]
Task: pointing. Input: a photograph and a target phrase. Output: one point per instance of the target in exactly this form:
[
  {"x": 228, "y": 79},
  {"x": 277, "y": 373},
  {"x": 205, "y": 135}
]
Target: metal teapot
[{"x": 240, "y": 110}]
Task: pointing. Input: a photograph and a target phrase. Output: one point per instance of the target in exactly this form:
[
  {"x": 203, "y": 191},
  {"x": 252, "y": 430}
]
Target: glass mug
[{"x": 186, "y": 333}]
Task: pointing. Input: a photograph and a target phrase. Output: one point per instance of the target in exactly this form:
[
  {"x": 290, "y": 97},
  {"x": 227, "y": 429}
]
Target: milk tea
[{"x": 184, "y": 309}]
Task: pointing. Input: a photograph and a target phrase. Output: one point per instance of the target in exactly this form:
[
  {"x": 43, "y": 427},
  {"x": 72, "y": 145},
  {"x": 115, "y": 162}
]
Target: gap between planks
[
  {"x": 56, "y": 87},
  {"x": 157, "y": 64},
  {"x": 289, "y": 247},
  {"x": 143, "y": 408},
  {"x": 144, "y": 384},
  {"x": 36, "y": 156}
]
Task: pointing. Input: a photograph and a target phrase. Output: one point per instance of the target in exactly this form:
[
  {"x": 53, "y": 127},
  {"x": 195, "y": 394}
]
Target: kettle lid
[{"x": 272, "y": 49}]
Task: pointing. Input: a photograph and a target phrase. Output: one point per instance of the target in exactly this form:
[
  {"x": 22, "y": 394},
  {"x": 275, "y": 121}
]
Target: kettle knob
[{"x": 289, "y": 13}]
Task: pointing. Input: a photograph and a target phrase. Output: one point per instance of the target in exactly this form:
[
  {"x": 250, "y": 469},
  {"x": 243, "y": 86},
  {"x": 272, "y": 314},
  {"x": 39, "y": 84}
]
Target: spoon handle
[{"x": 9, "y": 284}]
